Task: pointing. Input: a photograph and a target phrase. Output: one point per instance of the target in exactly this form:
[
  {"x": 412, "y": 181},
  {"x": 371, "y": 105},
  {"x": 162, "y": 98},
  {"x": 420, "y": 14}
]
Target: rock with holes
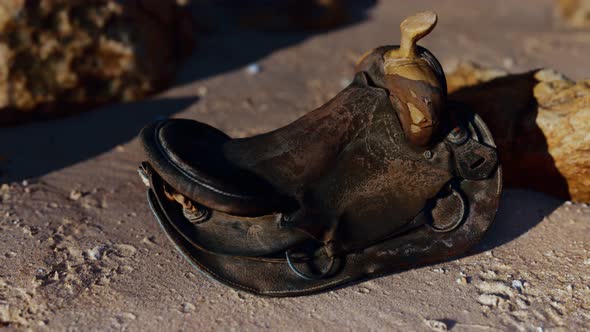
[
  {"x": 82, "y": 53},
  {"x": 541, "y": 123},
  {"x": 575, "y": 13}
]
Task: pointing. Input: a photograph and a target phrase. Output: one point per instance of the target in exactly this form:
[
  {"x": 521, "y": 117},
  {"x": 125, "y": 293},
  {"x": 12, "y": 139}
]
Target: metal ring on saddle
[
  {"x": 322, "y": 275},
  {"x": 462, "y": 213}
]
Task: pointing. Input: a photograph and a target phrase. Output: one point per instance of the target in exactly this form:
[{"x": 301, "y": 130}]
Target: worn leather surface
[
  {"x": 271, "y": 276},
  {"x": 342, "y": 183}
]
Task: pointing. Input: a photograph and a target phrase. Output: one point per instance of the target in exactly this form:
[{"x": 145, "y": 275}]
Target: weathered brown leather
[{"x": 342, "y": 194}]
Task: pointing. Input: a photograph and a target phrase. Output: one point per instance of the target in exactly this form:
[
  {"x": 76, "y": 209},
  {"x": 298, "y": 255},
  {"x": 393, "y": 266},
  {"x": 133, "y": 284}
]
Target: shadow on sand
[
  {"x": 32, "y": 150},
  {"x": 520, "y": 210},
  {"x": 231, "y": 44},
  {"x": 39, "y": 148}
]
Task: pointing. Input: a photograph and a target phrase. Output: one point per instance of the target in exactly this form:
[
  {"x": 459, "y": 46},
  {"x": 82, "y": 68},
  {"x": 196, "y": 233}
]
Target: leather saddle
[{"x": 386, "y": 176}]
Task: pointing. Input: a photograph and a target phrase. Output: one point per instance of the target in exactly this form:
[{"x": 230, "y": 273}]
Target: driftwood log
[{"x": 540, "y": 121}]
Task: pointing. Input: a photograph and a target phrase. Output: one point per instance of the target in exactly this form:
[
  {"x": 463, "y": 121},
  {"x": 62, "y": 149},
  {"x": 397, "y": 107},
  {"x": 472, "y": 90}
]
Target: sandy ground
[{"x": 79, "y": 249}]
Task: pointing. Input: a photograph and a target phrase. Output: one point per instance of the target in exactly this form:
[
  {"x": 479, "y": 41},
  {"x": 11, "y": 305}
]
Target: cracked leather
[{"x": 350, "y": 191}]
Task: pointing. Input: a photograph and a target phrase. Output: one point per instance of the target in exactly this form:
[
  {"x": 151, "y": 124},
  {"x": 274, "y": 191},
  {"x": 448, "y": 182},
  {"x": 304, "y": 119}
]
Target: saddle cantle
[{"x": 386, "y": 176}]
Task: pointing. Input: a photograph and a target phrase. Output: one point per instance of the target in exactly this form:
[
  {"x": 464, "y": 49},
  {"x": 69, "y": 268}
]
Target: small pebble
[
  {"x": 464, "y": 280},
  {"x": 491, "y": 273},
  {"x": 508, "y": 62},
  {"x": 96, "y": 252},
  {"x": 364, "y": 290},
  {"x": 517, "y": 284},
  {"x": 253, "y": 69},
  {"x": 202, "y": 91},
  {"x": 489, "y": 300},
  {"x": 436, "y": 325},
  {"x": 188, "y": 307},
  {"x": 75, "y": 195},
  {"x": 125, "y": 317}
]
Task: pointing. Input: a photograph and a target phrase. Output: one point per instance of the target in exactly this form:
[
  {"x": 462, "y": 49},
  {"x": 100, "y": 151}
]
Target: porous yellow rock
[
  {"x": 564, "y": 117},
  {"x": 540, "y": 121},
  {"x": 469, "y": 73},
  {"x": 576, "y": 13},
  {"x": 75, "y": 52}
]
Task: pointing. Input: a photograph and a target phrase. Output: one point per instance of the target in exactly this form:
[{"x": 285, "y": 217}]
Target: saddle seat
[{"x": 190, "y": 157}]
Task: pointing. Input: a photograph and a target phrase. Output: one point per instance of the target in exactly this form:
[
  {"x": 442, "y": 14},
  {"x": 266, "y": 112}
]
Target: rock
[
  {"x": 9, "y": 315},
  {"x": 439, "y": 270},
  {"x": 463, "y": 280},
  {"x": 495, "y": 287},
  {"x": 124, "y": 250},
  {"x": 364, "y": 290},
  {"x": 125, "y": 318},
  {"x": 436, "y": 325},
  {"x": 96, "y": 252},
  {"x": 468, "y": 74},
  {"x": 188, "y": 307},
  {"x": 564, "y": 119},
  {"x": 83, "y": 53},
  {"x": 253, "y": 69},
  {"x": 575, "y": 13},
  {"x": 540, "y": 121},
  {"x": 517, "y": 284},
  {"x": 75, "y": 195},
  {"x": 490, "y": 300}
]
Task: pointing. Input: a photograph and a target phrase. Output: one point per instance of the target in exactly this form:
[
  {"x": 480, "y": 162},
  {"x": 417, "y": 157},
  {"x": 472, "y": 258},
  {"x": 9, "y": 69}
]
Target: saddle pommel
[{"x": 413, "y": 29}]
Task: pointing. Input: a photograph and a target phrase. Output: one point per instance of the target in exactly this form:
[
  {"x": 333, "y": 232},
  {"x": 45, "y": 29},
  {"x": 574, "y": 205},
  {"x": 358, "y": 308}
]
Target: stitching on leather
[
  {"x": 306, "y": 289},
  {"x": 188, "y": 175}
]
